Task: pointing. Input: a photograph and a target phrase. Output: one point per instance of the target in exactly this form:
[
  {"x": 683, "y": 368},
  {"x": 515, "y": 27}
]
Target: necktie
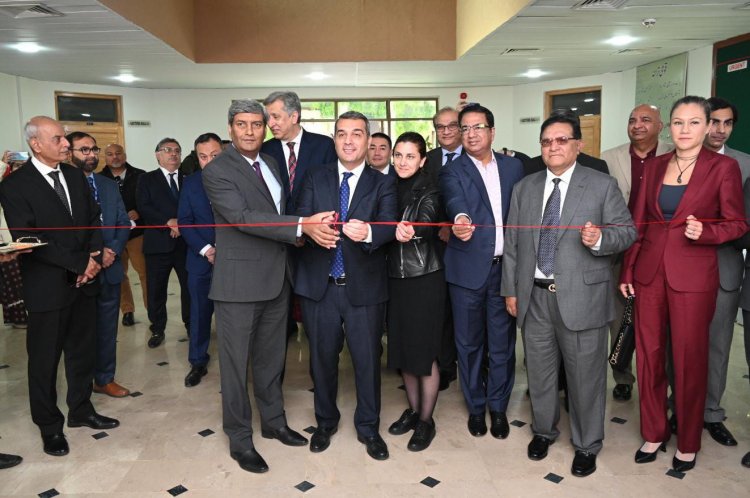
[
  {"x": 94, "y": 191},
  {"x": 449, "y": 157},
  {"x": 292, "y": 164},
  {"x": 173, "y": 186},
  {"x": 60, "y": 190},
  {"x": 256, "y": 168},
  {"x": 337, "y": 268},
  {"x": 548, "y": 234}
]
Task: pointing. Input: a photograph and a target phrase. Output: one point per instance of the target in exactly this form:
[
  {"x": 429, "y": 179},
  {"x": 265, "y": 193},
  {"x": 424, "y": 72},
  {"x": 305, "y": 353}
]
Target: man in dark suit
[
  {"x": 59, "y": 280},
  {"x": 195, "y": 209},
  {"x": 85, "y": 155},
  {"x": 477, "y": 187},
  {"x": 126, "y": 176},
  {"x": 158, "y": 194},
  {"x": 251, "y": 281},
  {"x": 347, "y": 285},
  {"x": 379, "y": 153}
]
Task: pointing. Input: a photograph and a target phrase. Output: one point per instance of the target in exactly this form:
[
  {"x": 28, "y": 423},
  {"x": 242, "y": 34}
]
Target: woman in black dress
[{"x": 417, "y": 291}]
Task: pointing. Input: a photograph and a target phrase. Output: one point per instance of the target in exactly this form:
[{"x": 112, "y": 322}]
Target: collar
[
  {"x": 43, "y": 168},
  {"x": 723, "y": 150},
  {"x": 166, "y": 172},
  {"x": 565, "y": 177},
  {"x": 357, "y": 172},
  {"x": 458, "y": 150},
  {"x": 649, "y": 154},
  {"x": 479, "y": 164},
  {"x": 297, "y": 140}
]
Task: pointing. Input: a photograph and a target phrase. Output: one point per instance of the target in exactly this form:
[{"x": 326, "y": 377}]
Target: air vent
[
  {"x": 520, "y": 51},
  {"x": 29, "y": 10},
  {"x": 599, "y": 5},
  {"x": 635, "y": 51}
]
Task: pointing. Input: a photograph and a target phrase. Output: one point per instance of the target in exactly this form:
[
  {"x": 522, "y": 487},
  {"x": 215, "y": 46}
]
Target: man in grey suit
[
  {"x": 251, "y": 281},
  {"x": 731, "y": 266},
  {"x": 558, "y": 284},
  {"x": 626, "y": 163}
]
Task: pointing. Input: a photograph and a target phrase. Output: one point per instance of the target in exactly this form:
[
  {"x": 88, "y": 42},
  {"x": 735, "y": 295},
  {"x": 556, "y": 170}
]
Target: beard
[{"x": 87, "y": 165}]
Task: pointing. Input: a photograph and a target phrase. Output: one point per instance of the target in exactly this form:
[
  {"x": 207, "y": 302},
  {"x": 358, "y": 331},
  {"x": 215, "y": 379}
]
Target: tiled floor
[{"x": 158, "y": 447}]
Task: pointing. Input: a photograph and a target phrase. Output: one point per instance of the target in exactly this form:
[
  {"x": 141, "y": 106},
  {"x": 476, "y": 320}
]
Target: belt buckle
[
  {"x": 551, "y": 287},
  {"x": 339, "y": 281}
]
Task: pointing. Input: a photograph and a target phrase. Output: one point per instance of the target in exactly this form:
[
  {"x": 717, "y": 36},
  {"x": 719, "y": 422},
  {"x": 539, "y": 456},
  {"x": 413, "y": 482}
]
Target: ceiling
[{"x": 92, "y": 44}]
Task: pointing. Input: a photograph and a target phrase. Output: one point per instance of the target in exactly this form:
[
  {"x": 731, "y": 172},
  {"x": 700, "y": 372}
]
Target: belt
[
  {"x": 545, "y": 284},
  {"x": 337, "y": 280},
  {"x": 497, "y": 260}
]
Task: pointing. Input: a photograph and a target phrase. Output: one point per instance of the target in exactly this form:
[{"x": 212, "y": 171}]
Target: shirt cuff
[
  {"x": 299, "y": 228},
  {"x": 598, "y": 244},
  {"x": 459, "y": 215},
  {"x": 205, "y": 249},
  {"x": 368, "y": 239},
  {"x": 132, "y": 224}
]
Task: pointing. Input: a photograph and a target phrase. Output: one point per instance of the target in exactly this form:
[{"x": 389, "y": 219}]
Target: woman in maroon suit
[{"x": 690, "y": 201}]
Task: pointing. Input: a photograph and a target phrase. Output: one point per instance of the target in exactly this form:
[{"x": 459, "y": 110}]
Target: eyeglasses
[
  {"x": 476, "y": 128},
  {"x": 171, "y": 150},
  {"x": 87, "y": 150},
  {"x": 448, "y": 127},
  {"x": 547, "y": 142}
]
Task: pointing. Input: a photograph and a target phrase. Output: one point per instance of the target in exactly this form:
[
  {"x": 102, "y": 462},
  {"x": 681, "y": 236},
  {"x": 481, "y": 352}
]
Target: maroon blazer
[{"x": 714, "y": 193}]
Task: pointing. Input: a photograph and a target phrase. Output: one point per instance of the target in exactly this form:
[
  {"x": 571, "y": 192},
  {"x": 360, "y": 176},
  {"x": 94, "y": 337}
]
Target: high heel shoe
[
  {"x": 682, "y": 465},
  {"x": 643, "y": 457}
]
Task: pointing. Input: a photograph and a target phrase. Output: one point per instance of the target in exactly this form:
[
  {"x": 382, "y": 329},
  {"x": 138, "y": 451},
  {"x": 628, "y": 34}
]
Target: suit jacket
[
  {"x": 374, "y": 199},
  {"x": 113, "y": 215},
  {"x": 195, "y": 209},
  {"x": 251, "y": 262},
  {"x": 744, "y": 241},
  {"x": 468, "y": 264},
  {"x": 585, "y": 294},
  {"x": 128, "y": 193},
  {"x": 157, "y": 205},
  {"x": 435, "y": 163},
  {"x": 714, "y": 192},
  {"x": 49, "y": 272},
  {"x": 618, "y": 160},
  {"x": 314, "y": 150},
  {"x": 536, "y": 164}
]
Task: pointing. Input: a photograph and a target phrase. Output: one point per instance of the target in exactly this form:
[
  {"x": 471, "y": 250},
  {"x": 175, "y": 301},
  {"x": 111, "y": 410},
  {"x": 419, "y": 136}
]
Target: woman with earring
[
  {"x": 690, "y": 201},
  {"x": 417, "y": 292}
]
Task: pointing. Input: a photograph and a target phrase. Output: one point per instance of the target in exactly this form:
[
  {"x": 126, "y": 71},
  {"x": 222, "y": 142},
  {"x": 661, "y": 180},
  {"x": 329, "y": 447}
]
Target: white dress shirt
[{"x": 46, "y": 170}]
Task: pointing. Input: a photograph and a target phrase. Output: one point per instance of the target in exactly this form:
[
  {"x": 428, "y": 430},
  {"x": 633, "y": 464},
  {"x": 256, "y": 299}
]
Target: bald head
[
  {"x": 644, "y": 126},
  {"x": 46, "y": 138},
  {"x": 114, "y": 156}
]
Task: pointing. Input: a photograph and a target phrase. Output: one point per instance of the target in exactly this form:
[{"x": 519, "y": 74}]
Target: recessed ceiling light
[
  {"x": 85, "y": 115},
  {"x": 316, "y": 75},
  {"x": 573, "y": 108},
  {"x": 534, "y": 73},
  {"x": 619, "y": 41},
  {"x": 126, "y": 78},
  {"x": 589, "y": 100},
  {"x": 28, "y": 47}
]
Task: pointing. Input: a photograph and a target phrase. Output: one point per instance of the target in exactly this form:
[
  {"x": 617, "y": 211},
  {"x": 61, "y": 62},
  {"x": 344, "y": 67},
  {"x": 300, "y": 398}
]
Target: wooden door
[{"x": 591, "y": 134}]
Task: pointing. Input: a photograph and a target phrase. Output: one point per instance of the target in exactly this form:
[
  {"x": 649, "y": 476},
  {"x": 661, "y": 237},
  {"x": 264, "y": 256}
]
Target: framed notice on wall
[
  {"x": 661, "y": 83},
  {"x": 732, "y": 81}
]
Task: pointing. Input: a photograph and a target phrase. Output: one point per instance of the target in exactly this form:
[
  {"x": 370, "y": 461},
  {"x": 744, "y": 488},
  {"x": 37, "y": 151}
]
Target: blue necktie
[
  {"x": 94, "y": 191},
  {"x": 548, "y": 234},
  {"x": 337, "y": 268},
  {"x": 448, "y": 158},
  {"x": 173, "y": 186}
]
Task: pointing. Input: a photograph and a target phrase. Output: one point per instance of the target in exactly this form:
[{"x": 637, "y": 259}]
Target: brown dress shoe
[{"x": 112, "y": 389}]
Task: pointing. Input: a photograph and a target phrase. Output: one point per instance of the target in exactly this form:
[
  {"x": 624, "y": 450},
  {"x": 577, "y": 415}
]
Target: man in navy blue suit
[
  {"x": 195, "y": 209},
  {"x": 347, "y": 285},
  {"x": 477, "y": 187},
  {"x": 85, "y": 155}
]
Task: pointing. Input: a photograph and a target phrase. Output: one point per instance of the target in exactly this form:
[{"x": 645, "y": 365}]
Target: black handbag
[{"x": 624, "y": 346}]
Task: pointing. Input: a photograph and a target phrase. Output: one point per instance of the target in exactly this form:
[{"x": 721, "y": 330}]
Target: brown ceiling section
[{"x": 246, "y": 31}]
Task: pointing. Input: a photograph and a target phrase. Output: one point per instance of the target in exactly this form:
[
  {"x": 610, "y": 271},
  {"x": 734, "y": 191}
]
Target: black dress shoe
[
  {"x": 94, "y": 421},
  {"x": 746, "y": 460},
  {"x": 286, "y": 435},
  {"x": 499, "y": 427},
  {"x": 8, "y": 461},
  {"x": 250, "y": 460},
  {"x": 376, "y": 447},
  {"x": 55, "y": 444},
  {"x": 321, "y": 438},
  {"x": 477, "y": 425},
  {"x": 673, "y": 424},
  {"x": 194, "y": 376},
  {"x": 128, "y": 320},
  {"x": 682, "y": 465},
  {"x": 538, "y": 447},
  {"x": 584, "y": 464},
  {"x": 644, "y": 457},
  {"x": 407, "y": 422},
  {"x": 622, "y": 392},
  {"x": 720, "y": 433},
  {"x": 156, "y": 339},
  {"x": 423, "y": 435}
]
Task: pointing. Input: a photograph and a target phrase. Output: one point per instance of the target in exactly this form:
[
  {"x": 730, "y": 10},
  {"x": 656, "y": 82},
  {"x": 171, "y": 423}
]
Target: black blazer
[
  {"x": 127, "y": 192},
  {"x": 536, "y": 164},
  {"x": 314, "y": 150},
  {"x": 157, "y": 205},
  {"x": 49, "y": 272}
]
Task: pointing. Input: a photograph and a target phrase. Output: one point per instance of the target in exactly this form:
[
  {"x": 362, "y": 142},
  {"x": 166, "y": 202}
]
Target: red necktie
[{"x": 292, "y": 164}]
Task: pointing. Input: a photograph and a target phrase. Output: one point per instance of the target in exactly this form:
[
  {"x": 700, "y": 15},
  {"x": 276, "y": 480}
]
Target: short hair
[
  {"x": 692, "y": 99},
  {"x": 442, "y": 111},
  {"x": 565, "y": 117},
  {"x": 414, "y": 138},
  {"x": 717, "y": 103},
  {"x": 480, "y": 109},
  {"x": 246, "y": 105},
  {"x": 31, "y": 129},
  {"x": 353, "y": 115},
  {"x": 206, "y": 137},
  {"x": 380, "y": 134},
  {"x": 77, "y": 135},
  {"x": 167, "y": 140},
  {"x": 289, "y": 99}
]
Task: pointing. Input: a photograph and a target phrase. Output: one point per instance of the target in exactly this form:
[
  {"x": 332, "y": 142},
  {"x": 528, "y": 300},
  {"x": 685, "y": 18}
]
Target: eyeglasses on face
[
  {"x": 476, "y": 128},
  {"x": 87, "y": 150},
  {"x": 171, "y": 150},
  {"x": 547, "y": 142},
  {"x": 449, "y": 127}
]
